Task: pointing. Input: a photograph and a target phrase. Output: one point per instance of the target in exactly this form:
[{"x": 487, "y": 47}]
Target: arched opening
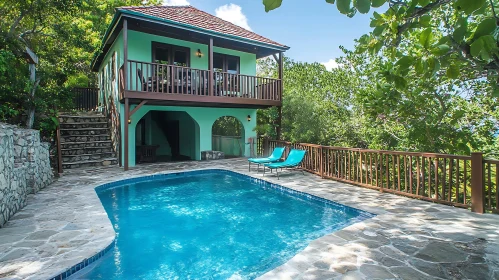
[
  {"x": 228, "y": 136},
  {"x": 163, "y": 136}
]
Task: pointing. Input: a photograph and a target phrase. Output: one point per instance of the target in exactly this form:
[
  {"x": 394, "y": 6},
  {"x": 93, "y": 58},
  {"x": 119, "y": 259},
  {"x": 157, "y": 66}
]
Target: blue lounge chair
[
  {"x": 293, "y": 160},
  {"x": 274, "y": 157}
]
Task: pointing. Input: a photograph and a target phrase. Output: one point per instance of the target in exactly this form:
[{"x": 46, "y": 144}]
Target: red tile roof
[{"x": 197, "y": 18}]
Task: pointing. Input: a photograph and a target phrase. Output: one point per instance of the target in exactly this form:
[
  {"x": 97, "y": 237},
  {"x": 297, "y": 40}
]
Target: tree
[
  {"x": 455, "y": 38},
  {"x": 64, "y": 34}
]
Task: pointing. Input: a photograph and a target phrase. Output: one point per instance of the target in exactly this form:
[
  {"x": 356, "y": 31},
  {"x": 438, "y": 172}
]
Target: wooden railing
[
  {"x": 169, "y": 79},
  {"x": 85, "y": 99},
  {"x": 490, "y": 181},
  {"x": 447, "y": 179}
]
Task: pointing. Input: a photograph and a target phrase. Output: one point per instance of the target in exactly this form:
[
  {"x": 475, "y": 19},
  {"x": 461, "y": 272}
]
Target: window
[
  {"x": 226, "y": 63},
  {"x": 169, "y": 54}
]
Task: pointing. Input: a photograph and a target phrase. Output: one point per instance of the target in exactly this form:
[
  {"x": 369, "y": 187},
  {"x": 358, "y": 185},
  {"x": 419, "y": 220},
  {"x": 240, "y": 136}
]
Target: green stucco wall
[
  {"x": 140, "y": 48},
  {"x": 204, "y": 117},
  {"x": 106, "y": 84}
]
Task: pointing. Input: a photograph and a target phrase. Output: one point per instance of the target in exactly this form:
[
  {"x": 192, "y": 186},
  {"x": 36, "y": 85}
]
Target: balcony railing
[{"x": 146, "y": 77}]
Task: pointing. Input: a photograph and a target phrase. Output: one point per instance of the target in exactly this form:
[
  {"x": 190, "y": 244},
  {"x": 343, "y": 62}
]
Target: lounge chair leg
[
  {"x": 249, "y": 166},
  {"x": 264, "y": 170},
  {"x": 277, "y": 172}
]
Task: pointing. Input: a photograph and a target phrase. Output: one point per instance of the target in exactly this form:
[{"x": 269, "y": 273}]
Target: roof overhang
[{"x": 163, "y": 27}]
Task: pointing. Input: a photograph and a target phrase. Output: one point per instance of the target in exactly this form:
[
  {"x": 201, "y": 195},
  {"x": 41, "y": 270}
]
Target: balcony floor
[{"x": 136, "y": 97}]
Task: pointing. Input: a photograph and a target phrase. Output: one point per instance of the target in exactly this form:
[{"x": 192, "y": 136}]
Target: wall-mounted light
[
  {"x": 249, "y": 118},
  {"x": 129, "y": 121},
  {"x": 199, "y": 53}
]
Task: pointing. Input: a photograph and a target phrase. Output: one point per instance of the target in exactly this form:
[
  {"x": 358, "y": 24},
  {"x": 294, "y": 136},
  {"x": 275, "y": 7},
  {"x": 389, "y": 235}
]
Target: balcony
[{"x": 177, "y": 85}]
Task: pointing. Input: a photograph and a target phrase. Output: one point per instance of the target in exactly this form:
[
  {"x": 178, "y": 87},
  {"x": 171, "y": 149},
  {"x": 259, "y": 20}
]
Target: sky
[{"x": 314, "y": 31}]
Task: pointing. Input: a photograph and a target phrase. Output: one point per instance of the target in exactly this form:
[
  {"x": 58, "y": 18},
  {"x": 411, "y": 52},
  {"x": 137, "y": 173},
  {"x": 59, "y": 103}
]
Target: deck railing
[
  {"x": 460, "y": 181},
  {"x": 170, "y": 79}
]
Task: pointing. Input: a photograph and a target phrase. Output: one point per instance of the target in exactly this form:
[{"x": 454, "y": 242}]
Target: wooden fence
[
  {"x": 85, "y": 99},
  {"x": 460, "y": 181}
]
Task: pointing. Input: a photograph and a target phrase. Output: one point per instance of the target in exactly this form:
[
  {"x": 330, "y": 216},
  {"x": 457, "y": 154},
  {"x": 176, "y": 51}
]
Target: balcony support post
[
  {"x": 280, "y": 83},
  {"x": 127, "y": 117},
  {"x": 125, "y": 54},
  {"x": 210, "y": 67}
]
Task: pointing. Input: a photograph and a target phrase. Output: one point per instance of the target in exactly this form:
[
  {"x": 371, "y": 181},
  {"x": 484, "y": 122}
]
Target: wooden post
[
  {"x": 477, "y": 183},
  {"x": 210, "y": 67},
  {"x": 127, "y": 112},
  {"x": 266, "y": 146},
  {"x": 59, "y": 152},
  {"x": 321, "y": 161},
  {"x": 281, "y": 75},
  {"x": 125, "y": 56}
]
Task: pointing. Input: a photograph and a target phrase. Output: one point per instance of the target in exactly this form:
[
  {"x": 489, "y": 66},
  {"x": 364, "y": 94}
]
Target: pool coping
[{"x": 363, "y": 215}]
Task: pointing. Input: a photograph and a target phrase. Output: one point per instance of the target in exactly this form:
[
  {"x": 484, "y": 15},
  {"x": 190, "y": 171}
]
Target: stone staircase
[{"x": 86, "y": 141}]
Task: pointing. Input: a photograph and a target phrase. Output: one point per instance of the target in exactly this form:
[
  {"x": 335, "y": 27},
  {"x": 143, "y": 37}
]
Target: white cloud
[
  {"x": 176, "y": 2},
  {"x": 233, "y": 13},
  {"x": 331, "y": 64}
]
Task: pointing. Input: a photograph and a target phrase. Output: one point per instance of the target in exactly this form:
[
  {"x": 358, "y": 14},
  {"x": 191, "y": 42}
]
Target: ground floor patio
[{"x": 65, "y": 223}]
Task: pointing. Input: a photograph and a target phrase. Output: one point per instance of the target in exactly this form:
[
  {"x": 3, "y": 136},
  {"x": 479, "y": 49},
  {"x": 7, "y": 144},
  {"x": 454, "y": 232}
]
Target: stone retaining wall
[{"x": 24, "y": 168}]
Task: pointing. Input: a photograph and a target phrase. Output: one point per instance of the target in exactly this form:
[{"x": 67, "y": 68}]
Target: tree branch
[
  {"x": 415, "y": 15},
  {"x": 15, "y": 24}
]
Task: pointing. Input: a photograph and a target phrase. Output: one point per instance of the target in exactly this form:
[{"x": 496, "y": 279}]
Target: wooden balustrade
[
  {"x": 170, "y": 79},
  {"x": 440, "y": 178}
]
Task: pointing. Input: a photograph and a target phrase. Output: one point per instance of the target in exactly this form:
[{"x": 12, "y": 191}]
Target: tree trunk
[{"x": 31, "y": 109}]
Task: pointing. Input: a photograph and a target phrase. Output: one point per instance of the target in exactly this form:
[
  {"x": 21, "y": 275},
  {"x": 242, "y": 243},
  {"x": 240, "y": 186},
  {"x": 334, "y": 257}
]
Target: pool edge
[{"x": 138, "y": 178}]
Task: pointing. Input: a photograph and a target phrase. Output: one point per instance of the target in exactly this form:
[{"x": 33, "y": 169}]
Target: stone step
[
  {"x": 86, "y": 151},
  {"x": 90, "y": 163},
  {"x": 86, "y": 157},
  {"x": 64, "y": 119},
  {"x": 84, "y": 131},
  {"x": 84, "y": 138},
  {"x": 84, "y": 125},
  {"x": 82, "y": 145}
]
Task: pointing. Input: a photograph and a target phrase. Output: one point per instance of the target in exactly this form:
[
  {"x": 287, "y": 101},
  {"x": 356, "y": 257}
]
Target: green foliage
[
  {"x": 227, "y": 126},
  {"x": 457, "y": 39},
  {"x": 64, "y": 34},
  {"x": 351, "y": 106}
]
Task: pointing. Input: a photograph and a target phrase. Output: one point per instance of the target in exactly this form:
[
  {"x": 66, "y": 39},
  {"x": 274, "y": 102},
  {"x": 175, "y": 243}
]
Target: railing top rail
[
  {"x": 167, "y": 65},
  {"x": 85, "y": 88},
  {"x": 423, "y": 154},
  {"x": 493, "y": 161},
  {"x": 197, "y": 69}
]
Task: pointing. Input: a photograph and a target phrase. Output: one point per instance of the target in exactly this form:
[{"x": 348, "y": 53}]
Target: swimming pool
[{"x": 212, "y": 224}]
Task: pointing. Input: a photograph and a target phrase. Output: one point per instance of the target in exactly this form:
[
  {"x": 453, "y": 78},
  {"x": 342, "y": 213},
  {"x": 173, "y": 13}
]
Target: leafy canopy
[{"x": 429, "y": 38}]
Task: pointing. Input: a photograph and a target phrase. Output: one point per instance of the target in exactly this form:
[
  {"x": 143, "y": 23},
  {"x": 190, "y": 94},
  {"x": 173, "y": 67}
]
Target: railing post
[
  {"x": 59, "y": 155},
  {"x": 477, "y": 186},
  {"x": 321, "y": 161},
  {"x": 266, "y": 146}
]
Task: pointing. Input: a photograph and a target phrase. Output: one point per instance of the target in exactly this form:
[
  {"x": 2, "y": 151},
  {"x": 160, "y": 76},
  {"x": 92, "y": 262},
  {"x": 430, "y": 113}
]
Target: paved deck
[{"x": 408, "y": 239}]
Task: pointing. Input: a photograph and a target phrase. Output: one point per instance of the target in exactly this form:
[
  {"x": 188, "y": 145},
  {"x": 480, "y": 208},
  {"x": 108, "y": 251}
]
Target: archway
[
  {"x": 228, "y": 136},
  {"x": 168, "y": 135}
]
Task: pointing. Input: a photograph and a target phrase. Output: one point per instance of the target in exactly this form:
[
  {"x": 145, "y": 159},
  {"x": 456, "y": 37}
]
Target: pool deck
[{"x": 65, "y": 223}]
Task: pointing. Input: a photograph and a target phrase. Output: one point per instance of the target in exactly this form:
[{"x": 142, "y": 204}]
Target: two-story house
[{"x": 167, "y": 73}]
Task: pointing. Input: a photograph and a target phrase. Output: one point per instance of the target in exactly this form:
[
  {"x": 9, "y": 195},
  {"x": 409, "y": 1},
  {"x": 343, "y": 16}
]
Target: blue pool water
[{"x": 210, "y": 225}]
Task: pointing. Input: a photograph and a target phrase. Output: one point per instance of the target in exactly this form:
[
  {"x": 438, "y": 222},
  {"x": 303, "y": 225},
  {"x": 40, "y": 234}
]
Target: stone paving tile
[{"x": 408, "y": 239}]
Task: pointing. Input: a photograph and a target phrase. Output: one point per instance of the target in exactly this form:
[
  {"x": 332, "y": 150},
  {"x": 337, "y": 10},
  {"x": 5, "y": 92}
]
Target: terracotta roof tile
[{"x": 197, "y": 18}]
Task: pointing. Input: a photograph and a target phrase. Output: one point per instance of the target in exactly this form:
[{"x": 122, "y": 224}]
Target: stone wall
[
  {"x": 211, "y": 155},
  {"x": 24, "y": 168}
]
